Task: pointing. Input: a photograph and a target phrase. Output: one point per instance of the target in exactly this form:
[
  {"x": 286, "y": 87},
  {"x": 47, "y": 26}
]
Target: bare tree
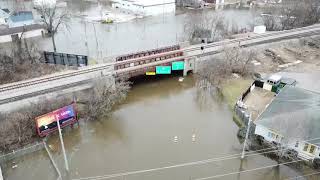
[
  {"x": 292, "y": 14},
  {"x": 23, "y": 61},
  {"x": 104, "y": 96},
  {"x": 53, "y": 19},
  {"x": 231, "y": 60},
  {"x": 203, "y": 25},
  {"x": 17, "y": 129}
]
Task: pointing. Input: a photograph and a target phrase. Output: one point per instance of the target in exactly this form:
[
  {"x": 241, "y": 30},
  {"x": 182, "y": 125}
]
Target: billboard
[
  {"x": 178, "y": 65},
  {"x": 163, "y": 69},
  {"x": 47, "y": 123},
  {"x": 65, "y": 59}
]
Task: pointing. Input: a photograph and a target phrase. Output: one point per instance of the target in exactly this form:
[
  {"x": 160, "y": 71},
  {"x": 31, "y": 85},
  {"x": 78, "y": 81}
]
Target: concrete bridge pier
[{"x": 189, "y": 66}]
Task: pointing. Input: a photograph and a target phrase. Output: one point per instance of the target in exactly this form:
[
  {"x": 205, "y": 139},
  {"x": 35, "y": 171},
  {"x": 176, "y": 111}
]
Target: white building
[
  {"x": 146, "y": 7},
  {"x": 293, "y": 120},
  {"x": 44, "y": 3}
]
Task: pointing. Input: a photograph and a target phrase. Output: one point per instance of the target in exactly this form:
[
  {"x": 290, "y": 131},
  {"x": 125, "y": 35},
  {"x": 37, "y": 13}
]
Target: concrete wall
[{"x": 189, "y": 65}]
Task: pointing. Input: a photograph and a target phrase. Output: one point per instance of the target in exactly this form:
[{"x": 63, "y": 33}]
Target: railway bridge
[{"x": 159, "y": 61}]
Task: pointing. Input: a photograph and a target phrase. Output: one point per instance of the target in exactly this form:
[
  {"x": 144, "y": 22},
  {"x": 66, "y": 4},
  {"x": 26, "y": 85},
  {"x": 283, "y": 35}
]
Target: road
[{"x": 58, "y": 81}]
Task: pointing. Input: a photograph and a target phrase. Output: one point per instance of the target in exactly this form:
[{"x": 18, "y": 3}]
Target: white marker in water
[{"x": 175, "y": 139}]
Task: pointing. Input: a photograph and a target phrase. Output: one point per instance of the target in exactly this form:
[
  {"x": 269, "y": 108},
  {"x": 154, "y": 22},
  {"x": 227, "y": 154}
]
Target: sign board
[
  {"x": 163, "y": 69},
  {"x": 47, "y": 123},
  {"x": 178, "y": 65},
  {"x": 65, "y": 59},
  {"x": 150, "y": 73}
]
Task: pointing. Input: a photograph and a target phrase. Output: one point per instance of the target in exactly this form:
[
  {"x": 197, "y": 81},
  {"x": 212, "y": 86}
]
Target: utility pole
[
  {"x": 62, "y": 145},
  {"x": 247, "y": 135}
]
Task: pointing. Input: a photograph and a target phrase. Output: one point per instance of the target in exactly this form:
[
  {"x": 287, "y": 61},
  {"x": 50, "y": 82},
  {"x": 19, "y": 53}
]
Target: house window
[
  {"x": 312, "y": 149},
  {"x": 305, "y": 148}
]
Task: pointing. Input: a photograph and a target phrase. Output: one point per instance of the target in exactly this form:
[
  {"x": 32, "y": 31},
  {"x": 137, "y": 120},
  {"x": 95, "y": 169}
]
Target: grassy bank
[{"x": 232, "y": 90}]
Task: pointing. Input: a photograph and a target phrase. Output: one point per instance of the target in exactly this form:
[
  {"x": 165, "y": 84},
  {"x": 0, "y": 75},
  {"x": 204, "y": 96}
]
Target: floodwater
[
  {"x": 103, "y": 40},
  {"x": 161, "y": 123}
]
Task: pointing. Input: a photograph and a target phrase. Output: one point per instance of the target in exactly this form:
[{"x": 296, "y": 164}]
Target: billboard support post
[{"x": 62, "y": 146}]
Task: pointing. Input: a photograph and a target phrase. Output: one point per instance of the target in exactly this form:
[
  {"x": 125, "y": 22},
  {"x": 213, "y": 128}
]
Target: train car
[{"x": 147, "y": 53}]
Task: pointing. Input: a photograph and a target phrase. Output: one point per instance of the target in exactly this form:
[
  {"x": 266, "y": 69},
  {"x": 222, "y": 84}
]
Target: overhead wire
[{"x": 227, "y": 157}]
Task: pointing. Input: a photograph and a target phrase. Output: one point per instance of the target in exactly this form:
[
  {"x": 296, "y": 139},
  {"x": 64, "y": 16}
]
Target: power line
[
  {"x": 228, "y": 157},
  {"x": 249, "y": 170},
  {"x": 306, "y": 175}
]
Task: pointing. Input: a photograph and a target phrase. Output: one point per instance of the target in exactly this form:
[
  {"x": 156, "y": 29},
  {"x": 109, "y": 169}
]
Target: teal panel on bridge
[
  {"x": 178, "y": 65},
  {"x": 163, "y": 69}
]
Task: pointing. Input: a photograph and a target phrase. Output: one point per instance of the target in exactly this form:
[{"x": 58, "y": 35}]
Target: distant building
[
  {"x": 19, "y": 24},
  {"x": 146, "y": 7},
  {"x": 21, "y": 18},
  {"x": 47, "y": 3}
]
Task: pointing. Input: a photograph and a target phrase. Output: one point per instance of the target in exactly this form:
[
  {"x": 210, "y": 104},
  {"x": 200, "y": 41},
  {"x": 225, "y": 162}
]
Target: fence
[
  {"x": 18, "y": 153},
  {"x": 65, "y": 59}
]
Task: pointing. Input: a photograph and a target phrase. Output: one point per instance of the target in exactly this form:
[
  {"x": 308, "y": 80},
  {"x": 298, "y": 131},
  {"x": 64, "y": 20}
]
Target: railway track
[{"x": 312, "y": 30}]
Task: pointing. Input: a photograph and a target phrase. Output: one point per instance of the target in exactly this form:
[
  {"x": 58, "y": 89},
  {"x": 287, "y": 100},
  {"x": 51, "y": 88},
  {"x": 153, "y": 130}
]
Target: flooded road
[{"x": 162, "y": 123}]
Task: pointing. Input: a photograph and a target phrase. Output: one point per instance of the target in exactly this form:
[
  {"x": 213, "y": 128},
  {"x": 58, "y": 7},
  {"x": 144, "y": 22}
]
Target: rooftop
[{"x": 294, "y": 113}]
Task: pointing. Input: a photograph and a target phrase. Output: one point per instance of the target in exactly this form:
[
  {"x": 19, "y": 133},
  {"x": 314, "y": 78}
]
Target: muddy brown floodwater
[{"x": 162, "y": 123}]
